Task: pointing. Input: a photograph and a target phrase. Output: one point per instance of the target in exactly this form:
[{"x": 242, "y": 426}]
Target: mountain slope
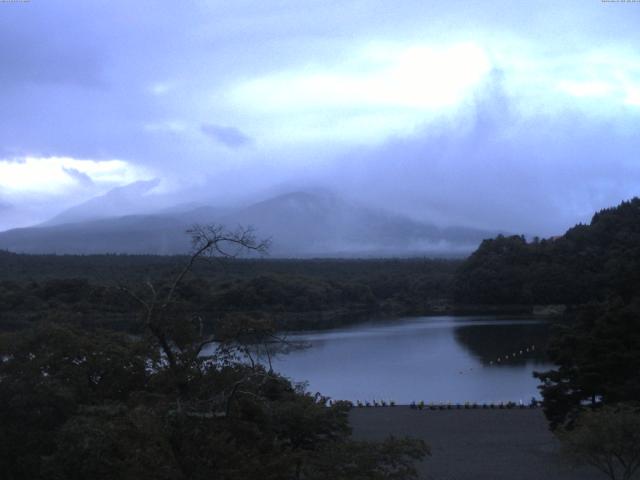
[
  {"x": 320, "y": 224},
  {"x": 299, "y": 224},
  {"x": 134, "y": 234},
  {"x": 119, "y": 201}
]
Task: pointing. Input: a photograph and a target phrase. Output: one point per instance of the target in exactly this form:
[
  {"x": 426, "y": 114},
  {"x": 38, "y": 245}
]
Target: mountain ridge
[
  {"x": 116, "y": 200},
  {"x": 301, "y": 224}
]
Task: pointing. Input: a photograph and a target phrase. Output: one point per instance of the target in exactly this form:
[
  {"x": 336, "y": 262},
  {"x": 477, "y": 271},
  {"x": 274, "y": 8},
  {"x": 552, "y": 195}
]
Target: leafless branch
[
  {"x": 208, "y": 240},
  {"x": 212, "y": 241}
]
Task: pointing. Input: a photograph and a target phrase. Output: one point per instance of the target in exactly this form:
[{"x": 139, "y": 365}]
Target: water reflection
[
  {"x": 436, "y": 359},
  {"x": 496, "y": 341}
]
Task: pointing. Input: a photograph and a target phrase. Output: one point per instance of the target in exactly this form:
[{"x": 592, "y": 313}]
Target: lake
[{"x": 434, "y": 359}]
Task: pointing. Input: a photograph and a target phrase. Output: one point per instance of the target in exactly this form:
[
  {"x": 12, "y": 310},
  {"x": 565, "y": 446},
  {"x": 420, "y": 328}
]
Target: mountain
[
  {"x": 126, "y": 200},
  {"x": 325, "y": 224},
  {"x": 300, "y": 224},
  {"x": 134, "y": 234}
]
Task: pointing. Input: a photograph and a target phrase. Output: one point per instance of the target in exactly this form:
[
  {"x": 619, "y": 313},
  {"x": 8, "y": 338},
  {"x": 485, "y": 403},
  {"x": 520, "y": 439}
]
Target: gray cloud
[
  {"x": 228, "y": 136},
  {"x": 532, "y": 175},
  {"x": 40, "y": 45},
  {"x": 80, "y": 177},
  {"x": 76, "y": 81},
  {"x": 78, "y": 73}
]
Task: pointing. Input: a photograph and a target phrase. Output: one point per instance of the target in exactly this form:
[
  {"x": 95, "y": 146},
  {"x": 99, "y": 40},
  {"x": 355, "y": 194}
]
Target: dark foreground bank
[{"x": 475, "y": 444}]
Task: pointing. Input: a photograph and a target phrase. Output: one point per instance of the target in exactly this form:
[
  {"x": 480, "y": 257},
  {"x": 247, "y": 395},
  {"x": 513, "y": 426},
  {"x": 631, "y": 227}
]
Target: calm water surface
[{"x": 435, "y": 359}]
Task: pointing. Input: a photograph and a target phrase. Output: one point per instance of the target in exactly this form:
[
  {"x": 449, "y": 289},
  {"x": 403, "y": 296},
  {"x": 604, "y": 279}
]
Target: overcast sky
[{"x": 517, "y": 115}]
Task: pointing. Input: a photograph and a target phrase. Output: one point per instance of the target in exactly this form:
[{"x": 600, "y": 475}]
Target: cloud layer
[{"x": 492, "y": 114}]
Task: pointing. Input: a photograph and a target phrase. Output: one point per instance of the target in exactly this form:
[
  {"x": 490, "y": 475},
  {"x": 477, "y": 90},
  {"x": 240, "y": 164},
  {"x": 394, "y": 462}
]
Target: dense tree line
[
  {"x": 588, "y": 263},
  {"x": 598, "y": 356},
  {"x": 297, "y": 294},
  {"x": 103, "y": 268}
]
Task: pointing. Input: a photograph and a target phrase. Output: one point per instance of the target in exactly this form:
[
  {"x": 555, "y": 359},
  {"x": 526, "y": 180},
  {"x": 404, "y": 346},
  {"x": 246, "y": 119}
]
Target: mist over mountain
[
  {"x": 8, "y": 215},
  {"x": 299, "y": 224},
  {"x": 126, "y": 200}
]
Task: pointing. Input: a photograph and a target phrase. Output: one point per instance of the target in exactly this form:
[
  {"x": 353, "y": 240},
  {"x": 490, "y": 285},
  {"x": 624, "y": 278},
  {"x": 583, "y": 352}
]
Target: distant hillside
[
  {"x": 300, "y": 224},
  {"x": 136, "y": 234},
  {"x": 119, "y": 201},
  {"x": 321, "y": 224},
  {"x": 589, "y": 262}
]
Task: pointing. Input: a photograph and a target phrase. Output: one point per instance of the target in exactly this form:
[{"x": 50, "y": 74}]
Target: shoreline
[{"x": 310, "y": 322}]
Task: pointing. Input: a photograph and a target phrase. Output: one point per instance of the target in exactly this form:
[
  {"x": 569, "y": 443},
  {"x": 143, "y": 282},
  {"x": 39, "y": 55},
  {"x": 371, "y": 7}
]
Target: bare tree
[{"x": 181, "y": 351}]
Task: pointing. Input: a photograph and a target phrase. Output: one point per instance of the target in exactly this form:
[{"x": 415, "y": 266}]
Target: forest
[
  {"x": 295, "y": 294},
  {"x": 588, "y": 263}
]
